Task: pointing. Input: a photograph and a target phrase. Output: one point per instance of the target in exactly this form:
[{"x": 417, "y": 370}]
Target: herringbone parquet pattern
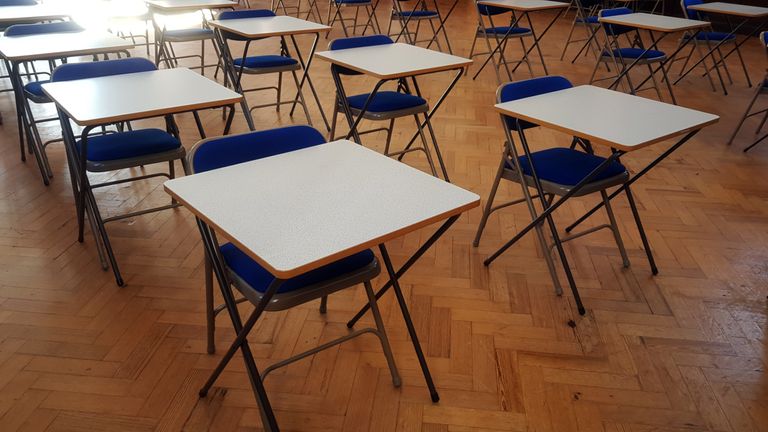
[{"x": 683, "y": 351}]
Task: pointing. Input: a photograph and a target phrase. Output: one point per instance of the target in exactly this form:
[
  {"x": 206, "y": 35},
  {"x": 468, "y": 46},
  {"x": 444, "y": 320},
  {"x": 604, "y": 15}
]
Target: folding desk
[
  {"x": 410, "y": 14},
  {"x": 525, "y": 7},
  {"x": 173, "y": 7},
  {"x": 45, "y": 47},
  {"x": 10, "y": 15},
  {"x": 619, "y": 121},
  {"x": 345, "y": 198},
  {"x": 96, "y": 102},
  {"x": 397, "y": 61},
  {"x": 743, "y": 12},
  {"x": 660, "y": 24},
  {"x": 277, "y": 26}
]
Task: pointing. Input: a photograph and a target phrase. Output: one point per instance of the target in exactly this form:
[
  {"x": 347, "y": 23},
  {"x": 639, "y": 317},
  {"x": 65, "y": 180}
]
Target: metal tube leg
[
  {"x": 409, "y": 324},
  {"x": 324, "y": 304},
  {"x": 210, "y": 314},
  {"x": 643, "y": 237},
  {"x": 382, "y": 334},
  {"x": 757, "y": 92},
  {"x": 615, "y": 228},
  {"x": 489, "y": 202}
]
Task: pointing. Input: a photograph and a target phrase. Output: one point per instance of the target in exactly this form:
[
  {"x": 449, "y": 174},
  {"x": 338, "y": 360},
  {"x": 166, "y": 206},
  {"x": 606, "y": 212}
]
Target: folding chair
[
  {"x": 13, "y": 3},
  {"x": 127, "y": 17},
  {"x": 384, "y": 106},
  {"x": 114, "y": 151},
  {"x": 709, "y": 40},
  {"x": 335, "y": 12},
  {"x": 33, "y": 92},
  {"x": 165, "y": 38},
  {"x": 233, "y": 268},
  {"x": 418, "y": 14},
  {"x": 586, "y": 17},
  {"x": 554, "y": 171},
  {"x": 759, "y": 90},
  {"x": 263, "y": 64},
  {"x": 313, "y": 10},
  {"x": 501, "y": 35},
  {"x": 623, "y": 57}
]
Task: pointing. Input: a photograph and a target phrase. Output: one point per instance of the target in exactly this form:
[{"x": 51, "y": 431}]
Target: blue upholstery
[
  {"x": 259, "y": 278},
  {"x": 129, "y": 144},
  {"x": 491, "y": 10},
  {"x": 386, "y": 101},
  {"x": 633, "y": 53},
  {"x": 416, "y": 14},
  {"x": 200, "y": 33},
  {"x": 712, "y": 36},
  {"x": 35, "y": 88},
  {"x": 245, "y": 13},
  {"x": 356, "y": 42},
  {"x": 567, "y": 167},
  {"x": 616, "y": 30},
  {"x": 18, "y": 2},
  {"x": 589, "y": 20},
  {"x": 265, "y": 61},
  {"x": 35, "y": 29},
  {"x": 75, "y": 71},
  {"x": 527, "y": 88},
  {"x": 764, "y": 38},
  {"x": 504, "y": 30},
  {"x": 235, "y": 149}
]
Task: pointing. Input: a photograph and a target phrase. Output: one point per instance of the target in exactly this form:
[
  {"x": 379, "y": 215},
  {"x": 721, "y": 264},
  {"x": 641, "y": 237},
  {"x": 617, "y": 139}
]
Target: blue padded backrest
[
  {"x": 76, "y": 71},
  {"x": 240, "y": 14},
  {"x": 36, "y": 29},
  {"x": 689, "y": 13},
  {"x": 491, "y": 10},
  {"x": 18, "y": 2},
  {"x": 527, "y": 88},
  {"x": 764, "y": 38},
  {"x": 234, "y": 149},
  {"x": 615, "y": 30},
  {"x": 356, "y": 42}
]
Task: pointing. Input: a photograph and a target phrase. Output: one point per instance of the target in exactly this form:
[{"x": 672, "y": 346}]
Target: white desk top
[
  {"x": 135, "y": 96},
  {"x": 394, "y": 60},
  {"x": 732, "y": 9},
  {"x": 30, "y": 14},
  {"x": 654, "y": 22},
  {"x": 189, "y": 5},
  {"x": 269, "y": 26},
  {"x": 60, "y": 45},
  {"x": 524, "y": 5},
  {"x": 608, "y": 117},
  {"x": 298, "y": 211}
]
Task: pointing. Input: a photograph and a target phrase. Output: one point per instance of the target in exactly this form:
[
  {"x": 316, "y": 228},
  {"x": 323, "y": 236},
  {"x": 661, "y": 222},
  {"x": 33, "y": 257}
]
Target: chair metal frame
[
  {"x": 405, "y": 17},
  {"x": 313, "y": 10},
  {"x": 164, "y": 52},
  {"x": 335, "y": 12},
  {"x": 759, "y": 90},
  {"x": 580, "y": 19}
]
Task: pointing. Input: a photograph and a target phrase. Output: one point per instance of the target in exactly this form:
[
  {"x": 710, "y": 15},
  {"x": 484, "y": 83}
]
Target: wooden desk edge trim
[
  {"x": 461, "y": 65},
  {"x": 149, "y": 114},
  {"x": 608, "y": 20},
  {"x": 76, "y": 53},
  {"x": 522, "y": 8},
  {"x": 332, "y": 258},
  {"x": 220, "y": 26},
  {"x": 603, "y": 142},
  {"x": 704, "y": 8}
]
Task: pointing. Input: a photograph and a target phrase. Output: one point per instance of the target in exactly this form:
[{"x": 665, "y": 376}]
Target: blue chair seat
[
  {"x": 35, "y": 88},
  {"x": 265, "y": 61},
  {"x": 634, "y": 53},
  {"x": 504, "y": 30},
  {"x": 258, "y": 278},
  {"x": 416, "y": 14},
  {"x": 191, "y": 34},
  {"x": 567, "y": 167},
  {"x": 129, "y": 144},
  {"x": 589, "y": 20},
  {"x": 713, "y": 36},
  {"x": 386, "y": 101}
]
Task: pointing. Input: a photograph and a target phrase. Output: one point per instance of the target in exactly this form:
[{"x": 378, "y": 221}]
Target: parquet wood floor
[{"x": 683, "y": 351}]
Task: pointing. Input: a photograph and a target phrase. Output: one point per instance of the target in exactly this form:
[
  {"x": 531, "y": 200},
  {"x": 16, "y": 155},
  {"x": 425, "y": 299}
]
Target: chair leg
[
  {"x": 489, "y": 201},
  {"x": 615, "y": 228},
  {"x": 302, "y": 101},
  {"x": 324, "y": 304},
  {"x": 388, "y": 142},
  {"x": 382, "y": 334},
  {"x": 568, "y": 40},
  {"x": 279, "y": 90},
  {"x": 210, "y": 314},
  {"x": 757, "y": 92},
  {"x": 643, "y": 237},
  {"x": 427, "y": 152}
]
